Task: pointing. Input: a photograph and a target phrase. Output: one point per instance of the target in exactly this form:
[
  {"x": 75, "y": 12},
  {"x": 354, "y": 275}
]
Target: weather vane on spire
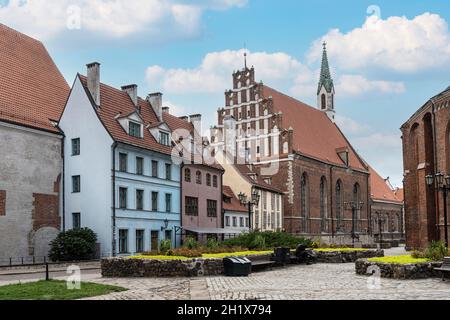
[
  {"x": 245, "y": 55},
  {"x": 324, "y": 44}
]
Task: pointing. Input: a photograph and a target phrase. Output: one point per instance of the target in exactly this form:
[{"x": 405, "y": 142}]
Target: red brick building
[
  {"x": 300, "y": 150},
  {"x": 426, "y": 151}
]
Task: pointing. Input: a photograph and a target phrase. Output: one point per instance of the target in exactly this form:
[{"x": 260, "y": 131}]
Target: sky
[{"x": 388, "y": 57}]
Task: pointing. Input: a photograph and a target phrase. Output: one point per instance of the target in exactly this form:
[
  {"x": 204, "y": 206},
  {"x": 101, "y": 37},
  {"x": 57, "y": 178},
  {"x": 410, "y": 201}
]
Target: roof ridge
[{"x": 20, "y": 33}]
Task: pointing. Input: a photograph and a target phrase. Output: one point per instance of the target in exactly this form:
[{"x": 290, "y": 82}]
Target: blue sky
[{"x": 385, "y": 62}]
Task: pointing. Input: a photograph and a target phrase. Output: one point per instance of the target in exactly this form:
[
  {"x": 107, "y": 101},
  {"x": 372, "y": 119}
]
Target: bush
[
  {"x": 272, "y": 240},
  {"x": 436, "y": 251},
  {"x": 212, "y": 244},
  {"x": 73, "y": 245},
  {"x": 190, "y": 243},
  {"x": 184, "y": 252},
  {"x": 165, "y": 245}
]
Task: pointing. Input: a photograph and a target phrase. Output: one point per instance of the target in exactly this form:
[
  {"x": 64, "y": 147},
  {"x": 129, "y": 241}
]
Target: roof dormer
[
  {"x": 132, "y": 124},
  {"x": 343, "y": 154}
]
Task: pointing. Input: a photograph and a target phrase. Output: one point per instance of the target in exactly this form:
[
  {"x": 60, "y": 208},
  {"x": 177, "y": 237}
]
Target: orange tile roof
[
  {"x": 32, "y": 90},
  {"x": 400, "y": 194},
  {"x": 379, "y": 188},
  {"x": 235, "y": 204},
  {"x": 315, "y": 135},
  {"x": 249, "y": 171}
]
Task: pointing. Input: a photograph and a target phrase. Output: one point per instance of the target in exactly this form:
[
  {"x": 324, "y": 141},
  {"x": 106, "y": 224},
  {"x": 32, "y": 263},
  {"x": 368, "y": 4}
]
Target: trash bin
[
  {"x": 237, "y": 266},
  {"x": 282, "y": 255}
]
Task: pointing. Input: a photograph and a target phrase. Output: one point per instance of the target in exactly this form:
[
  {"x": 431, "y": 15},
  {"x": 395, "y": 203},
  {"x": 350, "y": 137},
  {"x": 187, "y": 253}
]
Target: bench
[
  {"x": 444, "y": 268},
  {"x": 261, "y": 263}
]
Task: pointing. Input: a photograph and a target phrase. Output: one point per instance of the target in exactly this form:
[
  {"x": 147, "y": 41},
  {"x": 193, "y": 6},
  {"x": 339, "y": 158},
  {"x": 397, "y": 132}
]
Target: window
[
  {"x": 339, "y": 205},
  {"x": 135, "y": 129},
  {"x": 187, "y": 175},
  {"x": 123, "y": 198},
  {"x": 305, "y": 202},
  {"x": 154, "y": 201},
  {"x": 76, "y": 147},
  {"x": 139, "y": 199},
  {"x": 168, "y": 202},
  {"x": 241, "y": 222},
  {"x": 198, "y": 177},
  {"x": 155, "y": 169},
  {"x": 76, "y": 220},
  {"x": 168, "y": 171},
  {"x": 227, "y": 221},
  {"x": 164, "y": 138},
  {"x": 211, "y": 206},
  {"x": 123, "y": 241},
  {"x": 357, "y": 199},
  {"x": 234, "y": 222},
  {"x": 139, "y": 241},
  {"x": 208, "y": 180},
  {"x": 191, "y": 206},
  {"x": 323, "y": 204},
  {"x": 139, "y": 166},
  {"x": 215, "y": 181},
  {"x": 123, "y": 162},
  {"x": 246, "y": 222},
  {"x": 76, "y": 184},
  {"x": 168, "y": 235},
  {"x": 323, "y": 102}
]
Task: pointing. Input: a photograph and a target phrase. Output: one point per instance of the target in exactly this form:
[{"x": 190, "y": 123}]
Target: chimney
[
  {"x": 155, "y": 99},
  {"x": 166, "y": 110},
  {"x": 185, "y": 118},
  {"x": 196, "y": 120},
  {"x": 132, "y": 92},
  {"x": 93, "y": 81}
]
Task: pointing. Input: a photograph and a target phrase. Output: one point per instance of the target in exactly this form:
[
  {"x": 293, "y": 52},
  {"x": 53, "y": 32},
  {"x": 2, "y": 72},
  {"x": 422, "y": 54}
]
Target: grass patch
[
  {"x": 340, "y": 249},
  {"x": 205, "y": 255},
  {"x": 405, "y": 259},
  {"x": 54, "y": 290}
]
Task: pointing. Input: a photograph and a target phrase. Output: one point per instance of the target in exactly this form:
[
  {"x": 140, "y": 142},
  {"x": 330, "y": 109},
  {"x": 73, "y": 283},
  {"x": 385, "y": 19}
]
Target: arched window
[
  {"x": 324, "y": 101},
  {"x": 305, "y": 203},
  {"x": 187, "y": 175},
  {"x": 323, "y": 204},
  {"x": 356, "y": 200},
  {"x": 215, "y": 181},
  {"x": 339, "y": 208},
  {"x": 198, "y": 177},
  {"x": 208, "y": 180}
]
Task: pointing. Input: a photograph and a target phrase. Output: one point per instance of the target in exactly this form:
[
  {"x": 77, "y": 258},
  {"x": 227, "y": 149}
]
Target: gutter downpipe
[
  {"x": 113, "y": 187},
  {"x": 331, "y": 202},
  {"x": 63, "y": 184}
]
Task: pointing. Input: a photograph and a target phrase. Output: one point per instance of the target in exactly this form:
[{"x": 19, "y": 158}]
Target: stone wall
[
  {"x": 347, "y": 256},
  {"x": 398, "y": 271}
]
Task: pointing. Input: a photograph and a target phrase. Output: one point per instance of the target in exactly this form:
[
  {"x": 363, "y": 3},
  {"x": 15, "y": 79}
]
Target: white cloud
[
  {"x": 46, "y": 19},
  {"x": 350, "y": 126},
  {"x": 397, "y": 43},
  {"x": 351, "y": 85},
  {"x": 378, "y": 140}
]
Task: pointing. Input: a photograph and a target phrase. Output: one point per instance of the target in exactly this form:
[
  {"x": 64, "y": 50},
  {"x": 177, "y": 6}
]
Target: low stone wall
[
  {"x": 398, "y": 271},
  {"x": 346, "y": 256},
  {"x": 147, "y": 268}
]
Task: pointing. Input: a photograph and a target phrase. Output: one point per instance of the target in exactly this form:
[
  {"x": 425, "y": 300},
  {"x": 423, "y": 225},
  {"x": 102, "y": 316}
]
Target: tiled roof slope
[
  {"x": 235, "y": 204},
  {"x": 315, "y": 135},
  {"x": 32, "y": 90},
  {"x": 379, "y": 188},
  {"x": 247, "y": 171}
]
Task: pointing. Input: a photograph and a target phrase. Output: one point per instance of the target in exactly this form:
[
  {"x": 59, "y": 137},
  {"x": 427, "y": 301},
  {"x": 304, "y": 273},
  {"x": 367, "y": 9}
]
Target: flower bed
[
  {"x": 398, "y": 267},
  {"x": 345, "y": 255}
]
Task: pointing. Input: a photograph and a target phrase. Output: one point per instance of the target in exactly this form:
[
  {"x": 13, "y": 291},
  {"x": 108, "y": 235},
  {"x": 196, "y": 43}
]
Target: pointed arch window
[
  {"x": 357, "y": 199},
  {"x": 305, "y": 203},
  {"x": 339, "y": 208},
  {"x": 323, "y": 101},
  {"x": 323, "y": 205}
]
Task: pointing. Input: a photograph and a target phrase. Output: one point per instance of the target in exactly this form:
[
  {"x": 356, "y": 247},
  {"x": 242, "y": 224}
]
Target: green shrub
[
  {"x": 185, "y": 252},
  {"x": 165, "y": 245},
  {"x": 258, "y": 242},
  {"x": 73, "y": 245},
  {"x": 436, "y": 251},
  {"x": 190, "y": 243},
  {"x": 272, "y": 240},
  {"x": 212, "y": 243}
]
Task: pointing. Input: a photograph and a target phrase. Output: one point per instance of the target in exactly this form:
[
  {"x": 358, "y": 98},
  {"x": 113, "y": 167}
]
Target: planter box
[{"x": 400, "y": 271}]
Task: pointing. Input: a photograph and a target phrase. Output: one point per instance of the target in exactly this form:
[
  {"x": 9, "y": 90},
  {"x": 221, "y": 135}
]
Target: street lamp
[
  {"x": 253, "y": 202},
  {"x": 166, "y": 225},
  {"x": 354, "y": 205},
  {"x": 444, "y": 188}
]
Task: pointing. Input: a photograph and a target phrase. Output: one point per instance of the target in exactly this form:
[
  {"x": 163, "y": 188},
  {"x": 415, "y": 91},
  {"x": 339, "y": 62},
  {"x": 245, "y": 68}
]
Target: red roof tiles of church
[
  {"x": 315, "y": 135},
  {"x": 32, "y": 89},
  {"x": 380, "y": 189}
]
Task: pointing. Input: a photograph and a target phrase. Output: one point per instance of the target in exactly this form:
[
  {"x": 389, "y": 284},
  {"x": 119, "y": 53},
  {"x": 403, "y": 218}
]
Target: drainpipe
[
  {"x": 113, "y": 187},
  {"x": 369, "y": 207},
  {"x": 63, "y": 187},
  {"x": 436, "y": 168},
  {"x": 331, "y": 202}
]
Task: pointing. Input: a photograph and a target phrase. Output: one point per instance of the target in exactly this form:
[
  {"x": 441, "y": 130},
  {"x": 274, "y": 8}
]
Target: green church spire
[{"x": 325, "y": 76}]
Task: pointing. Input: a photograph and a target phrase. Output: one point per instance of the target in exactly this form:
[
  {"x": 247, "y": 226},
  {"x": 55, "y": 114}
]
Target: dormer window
[
  {"x": 134, "y": 129},
  {"x": 164, "y": 138}
]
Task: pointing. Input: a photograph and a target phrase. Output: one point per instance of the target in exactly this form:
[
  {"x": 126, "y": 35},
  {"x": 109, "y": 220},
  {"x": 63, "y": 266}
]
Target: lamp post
[
  {"x": 249, "y": 203},
  {"x": 354, "y": 205},
  {"x": 166, "y": 225},
  {"x": 380, "y": 229},
  {"x": 443, "y": 185}
]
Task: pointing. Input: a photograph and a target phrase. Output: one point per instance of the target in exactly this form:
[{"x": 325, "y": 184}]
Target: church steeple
[{"x": 325, "y": 90}]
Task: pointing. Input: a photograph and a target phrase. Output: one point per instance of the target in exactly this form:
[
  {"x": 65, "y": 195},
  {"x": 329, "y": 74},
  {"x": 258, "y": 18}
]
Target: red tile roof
[
  {"x": 315, "y": 135},
  {"x": 252, "y": 174},
  {"x": 235, "y": 204},
  {"x": 32, "y": 90},
  {"x": 400, "y": 194},
  {"x": 380, "y": 189}
]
